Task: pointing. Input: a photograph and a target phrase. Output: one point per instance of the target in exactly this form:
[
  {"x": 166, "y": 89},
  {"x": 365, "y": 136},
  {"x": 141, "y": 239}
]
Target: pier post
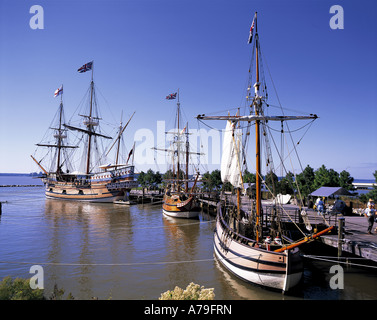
[{"x": 340, "y": 235}]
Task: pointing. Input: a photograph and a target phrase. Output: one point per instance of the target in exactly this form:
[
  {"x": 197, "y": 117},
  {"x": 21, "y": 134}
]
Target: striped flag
[
  {"x": 86, "y": 67},
  {"x": 58, "y": 91},
  {"x": 252, "y": 29},
  {"x": 171, "y": 96}
]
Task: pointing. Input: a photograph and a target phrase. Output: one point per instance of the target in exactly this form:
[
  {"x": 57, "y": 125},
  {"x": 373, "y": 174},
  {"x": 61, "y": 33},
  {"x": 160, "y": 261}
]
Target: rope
[
  {"x": 123, "y": 264},
  {"x": 321, "y": 258}
]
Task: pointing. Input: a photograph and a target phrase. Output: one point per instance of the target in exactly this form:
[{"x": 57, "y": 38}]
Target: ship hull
[
  {"x": 280, "y": 271},
  {"x": 102, "y": 187},
  {"x": 173, "y": 207}
]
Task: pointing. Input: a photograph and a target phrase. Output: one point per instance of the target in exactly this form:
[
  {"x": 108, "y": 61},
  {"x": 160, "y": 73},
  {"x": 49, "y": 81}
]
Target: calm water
[{"x": 118, "y": 252}]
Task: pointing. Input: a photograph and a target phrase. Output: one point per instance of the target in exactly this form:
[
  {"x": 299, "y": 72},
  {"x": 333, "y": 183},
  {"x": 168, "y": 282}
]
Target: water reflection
[{"x": 134, "y": 252}]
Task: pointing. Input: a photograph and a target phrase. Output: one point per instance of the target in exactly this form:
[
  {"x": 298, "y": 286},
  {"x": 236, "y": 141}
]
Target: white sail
[{"x": 231, "y": 156}]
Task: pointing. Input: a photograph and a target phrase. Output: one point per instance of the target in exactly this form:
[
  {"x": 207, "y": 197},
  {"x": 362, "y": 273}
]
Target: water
[{"x": 118, "y": 252}]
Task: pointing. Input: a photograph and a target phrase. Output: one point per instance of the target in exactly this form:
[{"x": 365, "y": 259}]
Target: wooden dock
[
  {"x": 152, "y": 197},
  {"x": 356, "y": 240}
]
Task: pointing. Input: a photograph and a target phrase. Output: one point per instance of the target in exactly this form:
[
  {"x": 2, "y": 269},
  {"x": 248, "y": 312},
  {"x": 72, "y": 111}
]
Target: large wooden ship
[
  {"x": 98, "y": 182},
  {"x": 250, "y": 245}
]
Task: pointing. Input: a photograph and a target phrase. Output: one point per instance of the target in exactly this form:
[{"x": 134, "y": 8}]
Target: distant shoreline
[
  {"x": 20, "y": 185},
  {"x": 20, "y": 174},
  {"x": 36, "y": 174}
]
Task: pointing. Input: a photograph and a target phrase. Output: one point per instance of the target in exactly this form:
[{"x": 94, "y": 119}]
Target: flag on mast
[
  {"x": 131, "y": 152},
  {"x": 183, "y": 130},
  {"x": 252, "y": 29},
  {"x": 86, "y": 67},
  {"x": 171, "y": 96},
  {"x": 58, "y": 91}
]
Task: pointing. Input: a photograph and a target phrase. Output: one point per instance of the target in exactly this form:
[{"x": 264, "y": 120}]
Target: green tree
[
  {"x": 206, "y": 181},
  {"x": 345, "y": 181},
  {"x": 272, "y": 182},
  {"x": 286, "y": 184},
  {"x": 305, "y": 181},
  {"x": 227, "y": 186},
  {"x": 152, "y": 179},
  {"x": 141, "y": 179},
  {"x": 249, "y": 177},
  {"x": 325, "y": 178},
  {"x": 212, "y": 181},
  {"x": 372, "y": 194},
  {"x": 216, "y": 179}
]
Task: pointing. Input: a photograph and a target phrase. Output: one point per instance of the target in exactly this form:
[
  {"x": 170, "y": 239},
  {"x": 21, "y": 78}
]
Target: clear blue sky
[{"x": 146, "y": 49}]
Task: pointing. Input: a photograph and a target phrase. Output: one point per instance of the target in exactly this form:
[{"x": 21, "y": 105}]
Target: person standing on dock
[
  {"x": 319, "y": 205},
  {"x": 370, "y": 213}
]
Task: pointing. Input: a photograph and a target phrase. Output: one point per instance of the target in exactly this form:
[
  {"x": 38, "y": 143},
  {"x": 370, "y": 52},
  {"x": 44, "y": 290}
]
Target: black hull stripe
[
  {"x": 257, "y": 260},
  {"x": 246, "y": 268}
]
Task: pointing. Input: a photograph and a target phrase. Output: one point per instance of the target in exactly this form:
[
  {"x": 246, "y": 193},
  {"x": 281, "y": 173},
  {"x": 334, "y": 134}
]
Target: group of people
[
  {"x": 370, "y": 211},
  {"x": 339, "y": 205}
]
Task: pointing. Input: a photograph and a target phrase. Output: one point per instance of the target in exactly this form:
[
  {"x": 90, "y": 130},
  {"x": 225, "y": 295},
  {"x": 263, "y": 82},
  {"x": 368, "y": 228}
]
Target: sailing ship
[
  {"x": 108, "y": 182},
  {"x": 179, "y": 200},
  {"x": 243, "y": 237}
]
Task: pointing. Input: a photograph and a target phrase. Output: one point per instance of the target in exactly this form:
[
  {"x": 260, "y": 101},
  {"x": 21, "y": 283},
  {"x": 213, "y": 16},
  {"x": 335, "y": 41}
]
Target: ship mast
[
  {"x": 187, "y": 157},
  {"x": 257, "y": 106},
  {"x": 178, "y": 143},
  {"x": 60, "y": 136},
  {"x": 89, "y": 125}
]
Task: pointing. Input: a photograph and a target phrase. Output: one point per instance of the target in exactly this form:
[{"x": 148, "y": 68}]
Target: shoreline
[{"x": 20, "y": 185}]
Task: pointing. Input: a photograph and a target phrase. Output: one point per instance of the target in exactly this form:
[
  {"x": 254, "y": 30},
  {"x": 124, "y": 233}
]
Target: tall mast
[
  {"x": 187, "y": 157},
  {"x": 178, "y": 143},
  {"x": 118, "y": 148},
  {"x": 60, "y": 134},
  {"x": 257, "y": 104},
  {"x": 90, "y": 127}
]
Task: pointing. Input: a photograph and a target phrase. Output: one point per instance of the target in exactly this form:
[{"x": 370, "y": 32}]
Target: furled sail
[{"x": 231, "y": 156}]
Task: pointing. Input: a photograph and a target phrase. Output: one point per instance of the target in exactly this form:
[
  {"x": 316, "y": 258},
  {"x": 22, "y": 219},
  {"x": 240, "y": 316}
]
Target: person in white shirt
[
  {"x": 370, "y": 214},
  {"x": 319, "y": 206}
]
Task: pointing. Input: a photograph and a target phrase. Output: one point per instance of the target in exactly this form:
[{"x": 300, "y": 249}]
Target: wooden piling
[{"x": 340, "y": 235}]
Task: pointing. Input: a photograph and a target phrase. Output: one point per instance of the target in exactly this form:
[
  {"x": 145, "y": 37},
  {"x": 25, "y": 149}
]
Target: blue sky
[{"x": 146, "y": 49}]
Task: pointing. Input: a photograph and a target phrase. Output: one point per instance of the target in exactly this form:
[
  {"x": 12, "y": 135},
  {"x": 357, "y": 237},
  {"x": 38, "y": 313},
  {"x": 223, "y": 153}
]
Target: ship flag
[
  {"x": 86, "y": 67},
  {"x": 183, "y": 130},
  {"x": 171, "y": 96},
  {"x": 131, "y": 152},
  {"x": 58, "y": 91},
  {"x": 252, "y": 29}
]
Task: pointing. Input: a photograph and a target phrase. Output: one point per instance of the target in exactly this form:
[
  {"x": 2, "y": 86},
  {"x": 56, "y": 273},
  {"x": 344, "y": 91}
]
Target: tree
[
  {"x": 372, "y": 194},
  {"x": 206, "y": 181},
  {"x": 141, "y": 179},
  {"x": 152, "y": 180},
  {"x": 305, "y": 181},
  {"x": 286, "y": 184},
  {"x": 272, "y": 182},
  {"x": 212, "y": 180},
  {"x": 249, "y": 177},
  {"x": 216, "y": 179},
  {"x": 345, "y": 181},
  {"x": 325, "y": 178}
]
